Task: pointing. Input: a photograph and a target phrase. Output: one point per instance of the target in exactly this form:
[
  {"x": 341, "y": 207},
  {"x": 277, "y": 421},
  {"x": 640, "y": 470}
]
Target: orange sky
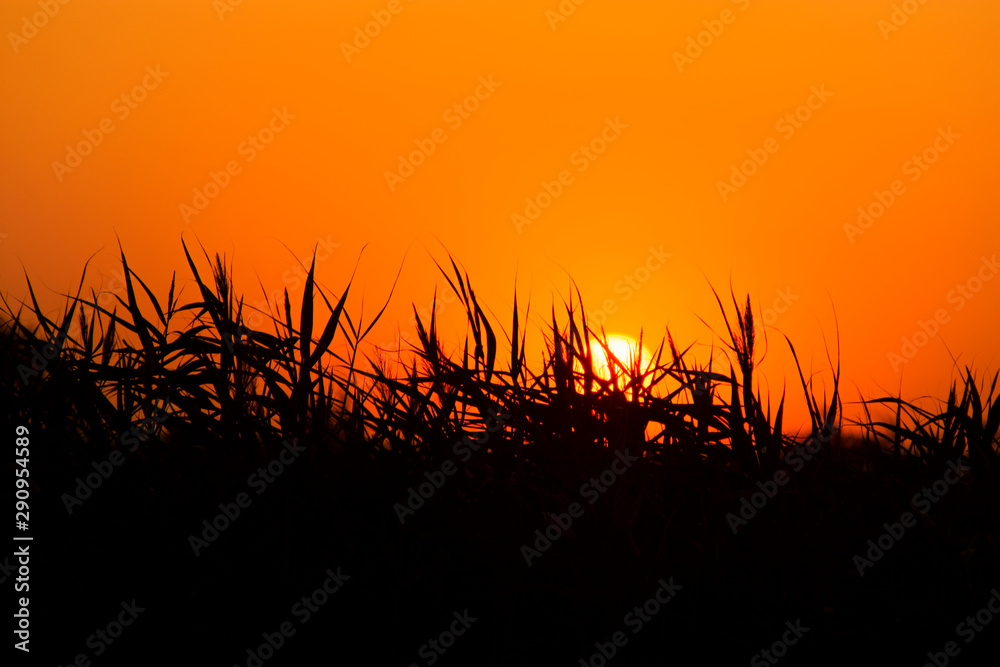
[{"x": 624, "y": 123}]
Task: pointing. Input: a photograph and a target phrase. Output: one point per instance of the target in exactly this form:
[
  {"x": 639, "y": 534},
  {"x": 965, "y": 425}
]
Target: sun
[{"x": 625, "y": 350}]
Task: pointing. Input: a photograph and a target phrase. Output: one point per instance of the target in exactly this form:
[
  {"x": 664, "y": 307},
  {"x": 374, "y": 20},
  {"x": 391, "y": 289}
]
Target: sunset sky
[{"x": 829, "y": 157}]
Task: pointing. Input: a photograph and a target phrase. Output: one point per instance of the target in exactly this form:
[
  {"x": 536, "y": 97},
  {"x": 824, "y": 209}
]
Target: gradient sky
[{"x": 634, "y": 116}]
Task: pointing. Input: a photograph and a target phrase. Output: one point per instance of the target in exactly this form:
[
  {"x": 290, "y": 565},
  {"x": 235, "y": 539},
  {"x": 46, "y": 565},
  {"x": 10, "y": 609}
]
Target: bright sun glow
[{"x": 623, "y": 348}]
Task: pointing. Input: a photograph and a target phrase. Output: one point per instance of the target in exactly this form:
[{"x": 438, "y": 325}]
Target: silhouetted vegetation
[{"x": 217, "y": 403}]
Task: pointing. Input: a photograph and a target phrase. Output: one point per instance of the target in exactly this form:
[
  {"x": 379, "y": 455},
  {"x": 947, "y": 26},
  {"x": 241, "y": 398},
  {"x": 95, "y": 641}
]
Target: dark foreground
[
  {"x": 328, "y": 521},
  {"x": 213, "y": 498}
]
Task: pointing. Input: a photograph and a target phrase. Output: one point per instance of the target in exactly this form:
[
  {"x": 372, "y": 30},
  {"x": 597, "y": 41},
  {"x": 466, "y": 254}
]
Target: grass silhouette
[{"x": 704, "y": 439}]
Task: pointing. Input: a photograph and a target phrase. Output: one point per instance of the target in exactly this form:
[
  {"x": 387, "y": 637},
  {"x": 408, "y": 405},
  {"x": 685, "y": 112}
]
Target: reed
[{"x": 705, "y": 436}]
